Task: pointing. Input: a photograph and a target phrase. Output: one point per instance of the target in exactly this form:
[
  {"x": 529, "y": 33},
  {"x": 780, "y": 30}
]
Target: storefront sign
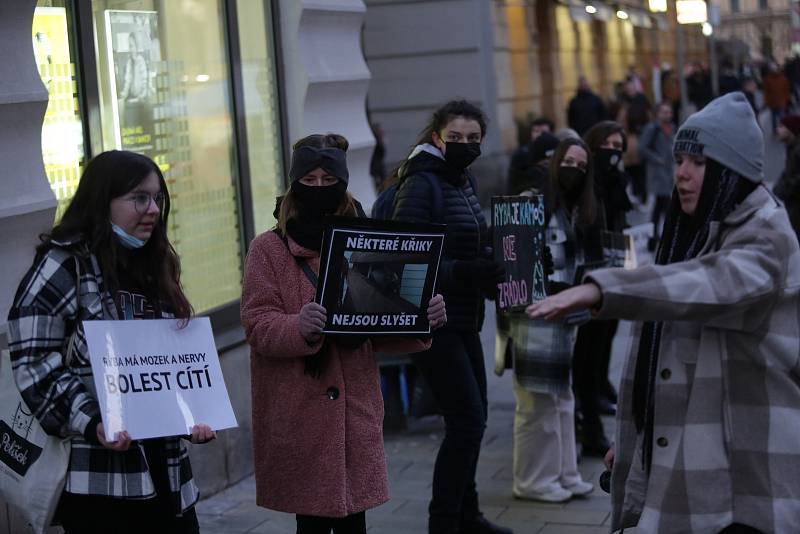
[
  {"x": 376, "y": 277},
  {"x": 519, "y": 245},
  {"x": 154, "y": 378}
]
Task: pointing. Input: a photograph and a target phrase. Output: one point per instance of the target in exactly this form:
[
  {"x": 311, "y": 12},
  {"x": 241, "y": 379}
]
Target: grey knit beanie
[{"x": 726, "y": 131}]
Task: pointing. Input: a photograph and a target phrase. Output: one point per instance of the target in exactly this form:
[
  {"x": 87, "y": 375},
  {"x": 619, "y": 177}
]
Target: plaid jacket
[
  {"x": 727, "y": 398},
  {"x": 46, "y": 311},
  {"x": 542, "y": 350}
]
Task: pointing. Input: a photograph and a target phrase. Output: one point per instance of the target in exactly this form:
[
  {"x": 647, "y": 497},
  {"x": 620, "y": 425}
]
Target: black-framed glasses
[{"x": 141, "y": 201}]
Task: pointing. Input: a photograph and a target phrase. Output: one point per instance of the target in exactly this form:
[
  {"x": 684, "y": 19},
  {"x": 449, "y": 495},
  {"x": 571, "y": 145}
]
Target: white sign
[
  {"x": 692, "y": 11},
  {"x": 156, "y": 379}
]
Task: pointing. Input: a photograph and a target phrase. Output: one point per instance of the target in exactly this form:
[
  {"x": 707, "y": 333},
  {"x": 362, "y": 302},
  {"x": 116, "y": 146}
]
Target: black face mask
[
  {"x": 314, "y": 202},
  {"x": 461, "y": 155},
  {"x": 607, "y": 159},
  {"x": 572, "y": 180}
]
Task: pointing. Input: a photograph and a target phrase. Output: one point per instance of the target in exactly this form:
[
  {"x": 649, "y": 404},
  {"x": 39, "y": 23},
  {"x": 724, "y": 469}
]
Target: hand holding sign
[
  {"x": 311, "y": 321},
  {"x": 202, "y": 434},
  {"x": 437, "y": 314},
  {"x": 121, "y": 442}
]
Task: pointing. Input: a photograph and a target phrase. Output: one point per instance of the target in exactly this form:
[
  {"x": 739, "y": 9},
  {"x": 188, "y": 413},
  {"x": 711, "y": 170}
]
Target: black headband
[{"x": 307, "y": 158}]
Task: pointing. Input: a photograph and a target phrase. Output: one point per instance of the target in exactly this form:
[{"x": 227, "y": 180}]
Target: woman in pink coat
[{"x": 317, "y": 406}]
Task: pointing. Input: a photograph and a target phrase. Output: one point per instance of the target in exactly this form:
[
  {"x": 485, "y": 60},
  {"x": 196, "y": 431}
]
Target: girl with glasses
[{"x": 108, "y": 258}]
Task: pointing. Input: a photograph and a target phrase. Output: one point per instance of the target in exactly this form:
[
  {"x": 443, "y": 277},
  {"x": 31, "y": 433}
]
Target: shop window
[
  {"x": 164, "y": 91},
  {"x": 62, "y": 131},
  {"x": 261, "y": 109}
]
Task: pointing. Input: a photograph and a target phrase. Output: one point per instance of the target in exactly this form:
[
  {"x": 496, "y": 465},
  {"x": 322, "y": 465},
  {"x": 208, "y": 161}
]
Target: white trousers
[{"x": 544, "y": 441}]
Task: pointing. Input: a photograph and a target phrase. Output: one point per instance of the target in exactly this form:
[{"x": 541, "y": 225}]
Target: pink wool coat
[{"x": 318, "y": 442}]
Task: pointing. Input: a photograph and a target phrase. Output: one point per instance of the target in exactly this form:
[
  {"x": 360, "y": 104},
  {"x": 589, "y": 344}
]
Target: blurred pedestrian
[
  {"x": 528, "y": 169},
  {"x": 637, "y": 106},
  {"x": 317, "y": 408},
  {"x": 585, "y": 109},
  {"x": 655, "y": 148},
  {"x": 728, "y": 79},
  {"x": 788, "y": 186},
  {"x": 750, "y": 90},
  {"x": 709, "y": 412},
  {"x": 377, "y": 163},
  {"x": 592, "y": 354},
  {"x": 108, "y": 258},
  {"x": 454, "y": 366},
  {"x": 545, "y": 462},
  {"x": 777, "y": 93},
  {"x": 567, "y": 133},
  {"x": 541, "y": 125}
]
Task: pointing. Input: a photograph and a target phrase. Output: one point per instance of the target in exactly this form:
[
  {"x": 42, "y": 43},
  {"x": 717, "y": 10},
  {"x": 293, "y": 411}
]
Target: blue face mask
[{"x": 126, "y": 240}]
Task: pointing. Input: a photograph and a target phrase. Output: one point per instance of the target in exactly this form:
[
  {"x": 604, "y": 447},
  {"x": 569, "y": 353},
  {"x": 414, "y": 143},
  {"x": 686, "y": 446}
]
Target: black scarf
[
  {"x": 683, "y": 238},
  {"x": 306, "y": 231}
]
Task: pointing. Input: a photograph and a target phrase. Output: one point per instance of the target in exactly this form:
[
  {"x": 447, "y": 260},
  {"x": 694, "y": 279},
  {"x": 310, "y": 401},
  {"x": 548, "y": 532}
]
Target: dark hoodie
[{"x": 466, "y": 237}]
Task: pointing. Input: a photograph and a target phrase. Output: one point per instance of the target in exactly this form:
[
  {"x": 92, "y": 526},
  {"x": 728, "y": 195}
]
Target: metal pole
[
  {"x": 712, "y": 42},
  {"x": 680, "y": 73},
  {"x": 713, "y": 20}
]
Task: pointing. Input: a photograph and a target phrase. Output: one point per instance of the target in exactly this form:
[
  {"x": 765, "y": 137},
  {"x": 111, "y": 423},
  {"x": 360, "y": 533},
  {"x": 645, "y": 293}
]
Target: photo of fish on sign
[{"x": 378, "y": 276}]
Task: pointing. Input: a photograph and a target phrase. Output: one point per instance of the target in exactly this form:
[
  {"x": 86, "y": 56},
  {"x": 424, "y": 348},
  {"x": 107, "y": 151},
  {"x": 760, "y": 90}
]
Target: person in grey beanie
[{"x": 709, "y": 414}]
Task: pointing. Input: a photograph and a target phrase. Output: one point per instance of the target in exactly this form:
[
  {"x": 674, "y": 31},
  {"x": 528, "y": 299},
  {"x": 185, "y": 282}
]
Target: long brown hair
[
  {"x": 554, "y": 197},
  {"x": 155, "y": 268},
  {"x": 601, "y": 131},
  {"x": 288, "y": 207},
  {"x": 440, "y": 118}
]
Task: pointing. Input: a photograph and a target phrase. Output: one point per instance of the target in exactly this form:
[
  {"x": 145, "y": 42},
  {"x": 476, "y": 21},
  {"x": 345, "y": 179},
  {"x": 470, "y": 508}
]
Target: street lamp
[
  {"x": 622, "y": 14},
  {"x": 591, "y": 9},
  {"x": 691, "y": 11},
  {"x": 658, "y": 6}
]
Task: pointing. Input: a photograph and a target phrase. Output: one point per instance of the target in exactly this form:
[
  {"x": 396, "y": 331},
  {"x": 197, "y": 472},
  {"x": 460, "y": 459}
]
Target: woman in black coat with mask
[
  {"x": 436, "y": 186},
  {"x": 607, "y": 142}
]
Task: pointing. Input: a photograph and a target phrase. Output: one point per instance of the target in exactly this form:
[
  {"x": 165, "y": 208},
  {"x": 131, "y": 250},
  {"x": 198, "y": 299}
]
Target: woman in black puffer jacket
[{"x": 435, "y": 186}]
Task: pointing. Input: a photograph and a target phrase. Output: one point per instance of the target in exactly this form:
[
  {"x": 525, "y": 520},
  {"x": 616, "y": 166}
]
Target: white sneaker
[
  {"x": 580, "y": 488},
  {"x": 555, "y": 495}
]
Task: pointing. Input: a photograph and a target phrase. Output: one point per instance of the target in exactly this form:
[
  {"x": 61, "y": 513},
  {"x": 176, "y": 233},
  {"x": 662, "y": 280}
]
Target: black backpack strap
[{"x": 301, "y": 262}]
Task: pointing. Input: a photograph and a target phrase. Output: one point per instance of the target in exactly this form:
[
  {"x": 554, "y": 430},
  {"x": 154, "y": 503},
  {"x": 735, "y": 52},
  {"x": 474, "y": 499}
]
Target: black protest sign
[
  {"x": 376, "y": 277},
  {"x": 519, "y": 246}
]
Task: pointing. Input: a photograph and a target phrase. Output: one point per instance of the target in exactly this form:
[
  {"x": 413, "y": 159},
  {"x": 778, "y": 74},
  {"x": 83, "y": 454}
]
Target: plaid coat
[
  {"x": 727, "y": 399},
  {"x": 542, "y": 350},
  {"x": 46, "y": 311}
]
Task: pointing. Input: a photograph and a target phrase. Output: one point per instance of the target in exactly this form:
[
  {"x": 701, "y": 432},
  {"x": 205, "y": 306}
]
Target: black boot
[{"x": 481, "y": 525}]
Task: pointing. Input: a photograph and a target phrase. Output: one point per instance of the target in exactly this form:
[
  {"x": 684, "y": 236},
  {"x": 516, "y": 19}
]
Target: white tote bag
[{"x": 33, "y": 464}]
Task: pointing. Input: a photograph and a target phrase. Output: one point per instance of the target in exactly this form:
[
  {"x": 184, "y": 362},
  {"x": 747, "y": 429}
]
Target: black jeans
[
  {"x": 638, "y": 174},
  {"x": 455, "y": 371},
  {"x": 590, "y": 360},
  {"x": 96, "y": 514},
  {"x": 352, "y": 524}
]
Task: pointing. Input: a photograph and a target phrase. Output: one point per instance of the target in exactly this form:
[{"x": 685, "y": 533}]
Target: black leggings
[
  {"x": 454, "y": 369},
  {"x": 738, "y": 528},
  {"x": 96, "y": 514},
  {"x": 352, "y": 524}
]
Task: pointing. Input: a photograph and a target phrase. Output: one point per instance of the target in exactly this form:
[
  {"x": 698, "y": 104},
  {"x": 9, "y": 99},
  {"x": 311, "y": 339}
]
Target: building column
[
  {"x": 326, "y": 80},
  {"x": 27, "y": 204}
]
